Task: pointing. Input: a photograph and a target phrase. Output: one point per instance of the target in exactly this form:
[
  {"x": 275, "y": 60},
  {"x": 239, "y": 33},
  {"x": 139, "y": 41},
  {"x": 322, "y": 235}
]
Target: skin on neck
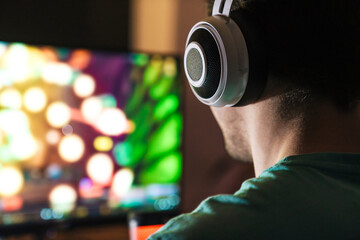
[{"x": 267, "y": 138}]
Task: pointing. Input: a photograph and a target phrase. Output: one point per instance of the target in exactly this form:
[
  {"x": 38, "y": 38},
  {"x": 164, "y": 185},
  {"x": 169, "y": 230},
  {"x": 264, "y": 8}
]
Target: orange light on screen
[
  {"x": 143, "y": 232},
  {"x": 11, "y": 204},
  {"x": 80, "y": 59},
  {"x": 49, "y": 54}
]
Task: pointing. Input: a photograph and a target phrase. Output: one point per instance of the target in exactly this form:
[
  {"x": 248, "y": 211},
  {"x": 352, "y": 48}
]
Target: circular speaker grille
[
  {"x": 213, "y": 63},
  {"x": 194, "y": 64}
]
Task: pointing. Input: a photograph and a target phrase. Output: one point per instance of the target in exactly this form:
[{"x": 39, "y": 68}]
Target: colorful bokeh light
[
  {"x": 100, "y": 168},
  {"x": 63, "y": 198},
  {"x": 67, "y": 130},
  {"x": 71, "y": 148},
  {"x": 170, "y": 68},
  {"x": 53, "y": 137},
  {"x": 35, "y": 99},
  {"x": 108, "y": 101},
  {"x": 14, "y": 122},
  {"x": 89, "y": 190},
  {"x": 17, "y": 62},
  {"x": 80, "y": 59},
  {"x": 112, "y": 122},
  {"x": 26, "y": 143},
  {"x": 15, "y": 128},
  {"x": 11, "y": 98},
  {"x": 122, "y": 182},
  {"x": 103, "y": 144},
  {"x": 12, "y": 204},
  {"x": 84, "y": 86},
  {"x": 11, "y": 181},
  {"x": 58, "y": 114},
  {"x": 5, "y": 78},
  {"x": 54, "y": 171},
  {"x": 91, "y": 109},
  {"x": 57, "y": 73}
]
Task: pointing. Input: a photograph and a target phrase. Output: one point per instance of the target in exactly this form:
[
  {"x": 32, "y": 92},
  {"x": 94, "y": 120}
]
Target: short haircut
[{"x": 313, "y": 46}]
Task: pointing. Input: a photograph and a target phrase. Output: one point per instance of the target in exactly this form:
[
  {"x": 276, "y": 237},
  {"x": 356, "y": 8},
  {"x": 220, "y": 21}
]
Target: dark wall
[{"x": 102, "y": 24}]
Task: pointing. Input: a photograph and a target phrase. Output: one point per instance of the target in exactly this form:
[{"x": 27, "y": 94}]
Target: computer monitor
[{"x": 87, "y": 133}]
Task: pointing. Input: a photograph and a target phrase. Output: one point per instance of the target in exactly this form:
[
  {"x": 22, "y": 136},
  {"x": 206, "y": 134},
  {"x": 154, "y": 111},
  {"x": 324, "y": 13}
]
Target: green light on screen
[
  {"x": 62, "y": 53},
  {"x": 162, "y": 88},
  {"x": 166, "y": 170},
  {"x": 170, "y": 67},
  {"x": 135, "y": 100},
  {"x": 152, "y": 74},
  {"x": 108, "y": 101},
  {"x": 166, "y": 139},
  {"x": 140, "y": 59},
  {"x": 128, "y": 155},
  {"x": 166, "y": 107},
  {"x": 142, "y": 123}
]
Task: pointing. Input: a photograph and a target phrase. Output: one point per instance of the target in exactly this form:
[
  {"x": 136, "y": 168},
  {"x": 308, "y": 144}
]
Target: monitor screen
[{"x": 87, "y": 133}]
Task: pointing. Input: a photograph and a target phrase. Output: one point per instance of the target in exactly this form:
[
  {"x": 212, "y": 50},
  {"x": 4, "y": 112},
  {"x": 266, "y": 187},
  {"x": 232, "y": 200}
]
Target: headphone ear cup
[
  {"x": 258, "y": 56},
  {"x": 216, "y": 61},
  {"x": 211, "y": 66}
]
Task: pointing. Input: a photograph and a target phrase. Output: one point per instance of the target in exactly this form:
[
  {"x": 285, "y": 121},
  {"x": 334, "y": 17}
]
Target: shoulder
[
  {"x": 226, "y": 216},
  {"x": 293, "y": 200},
  {"x": 215, "y": 218}
]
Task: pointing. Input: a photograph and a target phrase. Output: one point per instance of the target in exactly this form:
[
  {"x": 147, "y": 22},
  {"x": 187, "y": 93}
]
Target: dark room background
[{"x": 118, "y": 25}]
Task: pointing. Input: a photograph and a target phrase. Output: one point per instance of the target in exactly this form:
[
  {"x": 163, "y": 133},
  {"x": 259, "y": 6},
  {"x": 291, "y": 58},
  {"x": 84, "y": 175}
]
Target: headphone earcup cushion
[{"x": 211, "y": 83}]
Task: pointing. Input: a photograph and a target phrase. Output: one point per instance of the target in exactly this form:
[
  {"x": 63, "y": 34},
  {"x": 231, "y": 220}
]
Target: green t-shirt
[{"x": 314, "y": 196}]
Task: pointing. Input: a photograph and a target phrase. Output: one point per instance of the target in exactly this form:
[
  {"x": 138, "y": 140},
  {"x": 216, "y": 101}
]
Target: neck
[{"x": 323, "y": 129}]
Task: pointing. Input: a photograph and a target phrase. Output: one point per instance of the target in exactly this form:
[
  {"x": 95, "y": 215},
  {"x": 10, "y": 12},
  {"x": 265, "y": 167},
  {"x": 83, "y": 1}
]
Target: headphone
[{"x": 225, "y": 61}]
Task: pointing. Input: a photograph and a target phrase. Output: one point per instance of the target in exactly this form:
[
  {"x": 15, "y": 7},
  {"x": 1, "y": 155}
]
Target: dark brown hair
[{"x": 313, "y": 46}]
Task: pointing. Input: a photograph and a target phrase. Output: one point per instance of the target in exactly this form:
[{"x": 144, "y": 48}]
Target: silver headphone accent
[
  {"x": 195, "y": 68},
  {"x": 233, "y": 54}
]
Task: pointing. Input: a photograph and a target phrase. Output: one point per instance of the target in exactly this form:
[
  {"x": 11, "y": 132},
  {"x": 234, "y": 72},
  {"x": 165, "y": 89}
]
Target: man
[{"x": 302, "y": 134}]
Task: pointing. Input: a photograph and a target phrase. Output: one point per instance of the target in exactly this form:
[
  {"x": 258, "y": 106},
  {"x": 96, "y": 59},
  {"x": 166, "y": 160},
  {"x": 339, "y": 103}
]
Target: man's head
[
  {"x": 312, "y": 45},
  {"x": 313, "y": 51}
]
